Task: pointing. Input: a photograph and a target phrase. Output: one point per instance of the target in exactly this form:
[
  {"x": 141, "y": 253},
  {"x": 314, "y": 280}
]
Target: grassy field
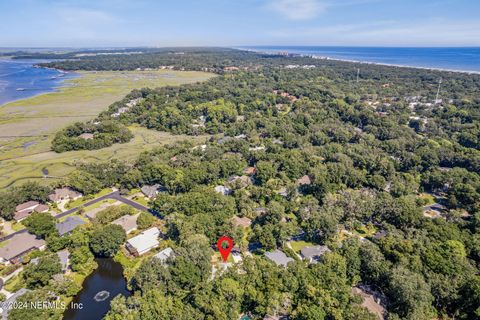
[
  {"x": 27, "y": 126},
  {"x": 30, "y": 167}
]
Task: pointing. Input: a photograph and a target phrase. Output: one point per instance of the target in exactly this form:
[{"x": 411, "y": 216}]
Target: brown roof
[
  {"x": 370, "y": 302},
  {"x": 86, "y": 136},
  {"x": 20, "y": 244},
  {"x": 64, "y": 193},
  {"x": 19, "y": 215},
  {"x": 241, "y": 222},
  {"x": 249, "y": 170},
  {"x": 127, "y": 222},
  {"x": 41, "y": 208},
  {"x": 305, "y": 180},
  {"x": 26, "y": 205}
]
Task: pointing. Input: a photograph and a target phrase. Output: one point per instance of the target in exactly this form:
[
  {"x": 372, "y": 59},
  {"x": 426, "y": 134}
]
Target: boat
[{"x": 21, "y": 89}]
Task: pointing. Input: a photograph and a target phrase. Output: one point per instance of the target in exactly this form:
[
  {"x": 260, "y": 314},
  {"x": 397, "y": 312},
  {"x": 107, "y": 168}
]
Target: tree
[
  {"x": 84, "y": 182},
  {"x": 105, "y": 241},
  {"x": 265, "y": 171},
  {"x": 410, "y": 295},
  {"x": 145, "y": 220},
  {"x": 82, "y": 260},
  {"x": 39, "y": 274},
  {"x": 30, "y": 312},
  {"x": 41, "y": 224}
]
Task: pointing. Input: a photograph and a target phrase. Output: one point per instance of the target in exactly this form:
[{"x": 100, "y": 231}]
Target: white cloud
[
  {"x": 298, "y": 9},
  {"x": 432, "y": 32}
]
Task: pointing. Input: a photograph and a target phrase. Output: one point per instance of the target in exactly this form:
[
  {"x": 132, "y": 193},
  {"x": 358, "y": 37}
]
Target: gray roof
[
  {"x": 314, "y": 252},
  {"x": 20, "y": 244},
  {"x": 68, "y": 225},
  {"x": 164, "y": 254},
  {"x": 278, "y": 257},
  {"x": 63, "y": 256},
  {"x": 152, "y": 191}
]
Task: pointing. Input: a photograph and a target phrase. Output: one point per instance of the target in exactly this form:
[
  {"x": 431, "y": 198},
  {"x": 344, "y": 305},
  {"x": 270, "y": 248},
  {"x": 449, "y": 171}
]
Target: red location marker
[{"x": 225, "y": 251}]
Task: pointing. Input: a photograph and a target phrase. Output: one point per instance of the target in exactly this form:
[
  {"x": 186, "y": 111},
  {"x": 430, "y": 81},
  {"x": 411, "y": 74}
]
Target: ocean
[
  {"x": 456, "y": 59},
  {"x": 19, "y": 79}
]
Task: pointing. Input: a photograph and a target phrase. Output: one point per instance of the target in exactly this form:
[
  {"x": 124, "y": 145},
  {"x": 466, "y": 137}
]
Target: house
[
  {"x": 380, "y": 234},
  {"x": 278, "y": 257},
  {"x": 144, "y": 242},
  {"x": 127, "y": 222},
  {"x": 86, "y": 136},
  {"x": 64, "y": 259},
  {"x": 19, "y": 245},
  {"x": 249, "y": 171},
  {"x": 25, "y": 209},
  {"x": 164, "y": 254},
  {"x": 260, "y": 211},
  {"x": 29, "y": 205},
  {"x": 314, "y": 254},
  {"x": 371, "y": 301},
  {"x": 8, "y": 304},
  {"x": 224, "y": 140},
  {"x": 243, "y": 222},
  {"x": 434, "y": 211},
  {"x": 68, "y": 225},
  {"x": 283, "y": 192},
  {"x": 223, "y": 190},
  {"x": 65, "y": 193},
  {"x": 304, "y": 181},
  {"x": 240, "y": 181},
  {"x": 152, "y": 191}
]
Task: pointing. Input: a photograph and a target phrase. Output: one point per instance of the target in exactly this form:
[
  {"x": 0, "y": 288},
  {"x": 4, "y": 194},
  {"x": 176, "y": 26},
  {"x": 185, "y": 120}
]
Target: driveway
[{"x": 113, "y": 195}]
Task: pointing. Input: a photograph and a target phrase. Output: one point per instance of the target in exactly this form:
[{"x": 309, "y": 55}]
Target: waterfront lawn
[{"x": 27, "y": 126}]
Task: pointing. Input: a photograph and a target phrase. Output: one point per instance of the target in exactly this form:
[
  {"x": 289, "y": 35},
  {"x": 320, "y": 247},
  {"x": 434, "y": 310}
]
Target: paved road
[{"x": 113, "y": 195}]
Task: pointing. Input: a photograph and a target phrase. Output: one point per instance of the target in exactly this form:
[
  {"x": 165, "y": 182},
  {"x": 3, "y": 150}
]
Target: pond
[{"x": 98, "y": 290}]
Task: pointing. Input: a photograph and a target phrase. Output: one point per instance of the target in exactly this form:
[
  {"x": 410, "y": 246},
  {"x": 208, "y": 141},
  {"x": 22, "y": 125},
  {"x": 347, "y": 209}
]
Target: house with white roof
[
  {"x": 164, "y": 254},
  {"x": 144, "y": 242}
]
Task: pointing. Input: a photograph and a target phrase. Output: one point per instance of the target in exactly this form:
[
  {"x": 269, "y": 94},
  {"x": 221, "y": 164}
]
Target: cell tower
[
  {"x": 438, "y": 90},
  {"x": 358, "y": 74}
]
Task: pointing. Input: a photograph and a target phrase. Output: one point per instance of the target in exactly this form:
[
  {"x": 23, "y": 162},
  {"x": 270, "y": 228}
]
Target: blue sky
[{"x": 86, "y": 23}]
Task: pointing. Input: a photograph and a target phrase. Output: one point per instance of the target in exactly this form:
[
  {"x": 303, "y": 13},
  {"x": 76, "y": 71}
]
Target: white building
[
  {"x": 144, "y": 242},
  {"x": 164, "y": 254}
]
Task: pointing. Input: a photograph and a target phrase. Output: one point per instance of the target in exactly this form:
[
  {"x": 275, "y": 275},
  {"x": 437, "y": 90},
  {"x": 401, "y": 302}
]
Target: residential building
[
  {"x": 249, "y": 171},
  {"x": 152, "y": 191},
  {"x": 26, "y": 209},
  {"x": 19, "y": 245},
  {"x": 223, "y": 190},
  {"x": 372, "y": 301},
  {"x": 313, "y": 254},
  {"x": 64, "y": 256},
  {"x": 242, "y": 222},
  {"x": 278, "y": 257},
  {"x": 68, "y": 225},
  {"x": 29, "y": 205},
  {"x": 304, "y": 181},
  {"x": 127, "y": 222},
  {"x": 65, "y": 193},
  {"x": 164, "y": 254},
  {"x": 86, "y": 136},
  {"x": 144, "y": 242}
]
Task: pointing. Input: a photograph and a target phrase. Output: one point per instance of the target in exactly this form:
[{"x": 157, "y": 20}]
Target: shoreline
[
  {"x": 317, "y": 57},
  {"x": 67, "y": 76}
]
